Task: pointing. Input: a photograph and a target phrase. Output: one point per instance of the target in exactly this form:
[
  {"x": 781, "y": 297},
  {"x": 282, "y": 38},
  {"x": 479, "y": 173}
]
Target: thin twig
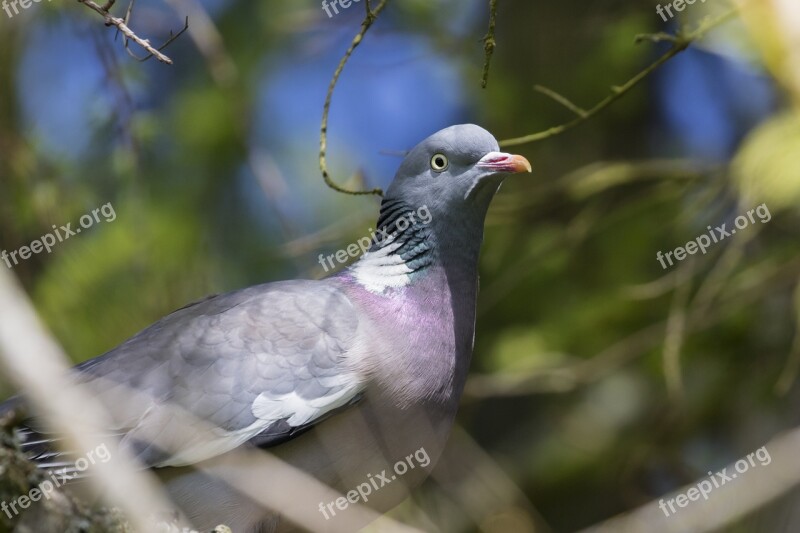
[
  {"x": 370, "y": 17},
  {"x": 675, "y": 334},
  {"x": 208, "y": 40},
  {"x": 721, "y": 272},
  {"x": 122, "y": 26},
  {"x": 656, "y": 37},
  {"x": 680, "y": 42},
  {"x": 561, "y": 100},
  {"x": 489, "y": 42},
  {"x": 172, "y": 37}
]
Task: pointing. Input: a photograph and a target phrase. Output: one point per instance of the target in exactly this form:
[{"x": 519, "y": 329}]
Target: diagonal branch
[
  {"x": 128, "y": 34},
  {"x": 563, "y": 100},
  {"x": 680, "y": 42}
]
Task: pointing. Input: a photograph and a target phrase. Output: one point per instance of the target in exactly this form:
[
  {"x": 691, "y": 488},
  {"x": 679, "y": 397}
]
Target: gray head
[
  {"x": 457, "y": 169},
  {"x": 433, "y": 212}
]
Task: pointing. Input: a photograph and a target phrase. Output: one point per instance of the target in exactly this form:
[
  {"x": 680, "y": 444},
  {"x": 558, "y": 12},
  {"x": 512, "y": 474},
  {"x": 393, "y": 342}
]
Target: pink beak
[{"x": 501, "y": 162}]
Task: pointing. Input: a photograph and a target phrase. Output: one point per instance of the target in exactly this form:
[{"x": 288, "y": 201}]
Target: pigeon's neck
[
  {"x": 403, "y": 248},
  {"x": 409, "y": 246},
  {"x": 420, "y": 288}
]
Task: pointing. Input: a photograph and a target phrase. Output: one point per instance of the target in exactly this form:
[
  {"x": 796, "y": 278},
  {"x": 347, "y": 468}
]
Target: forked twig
[{"x": 128, "y": 34}]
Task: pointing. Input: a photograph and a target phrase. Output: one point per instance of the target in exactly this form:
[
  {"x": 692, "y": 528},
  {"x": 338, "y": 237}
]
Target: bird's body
[{"x": 341, "y": 377}]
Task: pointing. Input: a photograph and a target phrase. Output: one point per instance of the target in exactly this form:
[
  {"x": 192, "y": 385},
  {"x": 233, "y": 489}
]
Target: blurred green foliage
[{"x": 569, "y": 391}]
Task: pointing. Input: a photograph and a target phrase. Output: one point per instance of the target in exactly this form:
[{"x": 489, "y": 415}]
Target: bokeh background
[{"x": 600, "y": 380}]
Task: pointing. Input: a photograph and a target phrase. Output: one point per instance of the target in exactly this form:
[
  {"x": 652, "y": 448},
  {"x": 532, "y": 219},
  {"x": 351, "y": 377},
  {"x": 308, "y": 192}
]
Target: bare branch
[
  {"x": 209, "y": 42},
  {"x": 128, "y": 34},
  {"x": 489, "y": 42},
  {"x": 561, "y": 100},
  {"x": 323, "y": 136},
  {"x": 680, "y": 42}
]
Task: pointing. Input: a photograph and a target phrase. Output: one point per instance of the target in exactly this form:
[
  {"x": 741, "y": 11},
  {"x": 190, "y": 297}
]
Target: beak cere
[{"x": 501, "y": 162}]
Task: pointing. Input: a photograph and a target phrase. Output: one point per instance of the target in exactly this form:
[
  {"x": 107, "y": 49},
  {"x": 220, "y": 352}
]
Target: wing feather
[{"x": 261, "y": 365}]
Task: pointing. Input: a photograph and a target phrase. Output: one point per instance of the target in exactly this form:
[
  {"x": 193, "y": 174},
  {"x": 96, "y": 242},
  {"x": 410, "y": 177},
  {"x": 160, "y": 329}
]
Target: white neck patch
[{"x": 383, "y": 268}]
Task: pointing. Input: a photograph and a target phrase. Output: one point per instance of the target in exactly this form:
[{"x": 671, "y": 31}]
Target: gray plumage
[{"x": 339, "y": 377}]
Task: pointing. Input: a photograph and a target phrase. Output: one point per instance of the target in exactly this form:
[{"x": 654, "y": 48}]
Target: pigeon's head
[{"x": 456, "y": 169}]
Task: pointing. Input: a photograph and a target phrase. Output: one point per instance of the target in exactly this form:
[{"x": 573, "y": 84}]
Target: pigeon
[{"x": 354, "y": 379}]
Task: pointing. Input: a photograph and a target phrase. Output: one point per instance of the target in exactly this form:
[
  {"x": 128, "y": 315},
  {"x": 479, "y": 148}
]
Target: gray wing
[{"x": 256, "y": 365}]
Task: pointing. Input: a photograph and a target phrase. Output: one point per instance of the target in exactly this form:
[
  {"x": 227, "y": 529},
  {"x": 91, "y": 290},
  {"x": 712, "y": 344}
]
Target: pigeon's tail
[
  {"x": 41, "y": 449},
  {"x": 38, "y": 448},
  {"x": 46, "y": 453}
]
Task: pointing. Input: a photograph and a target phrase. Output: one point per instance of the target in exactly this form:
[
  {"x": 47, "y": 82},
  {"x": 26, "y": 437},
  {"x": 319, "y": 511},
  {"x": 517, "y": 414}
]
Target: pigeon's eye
[{"x": 439, "y": 162}]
